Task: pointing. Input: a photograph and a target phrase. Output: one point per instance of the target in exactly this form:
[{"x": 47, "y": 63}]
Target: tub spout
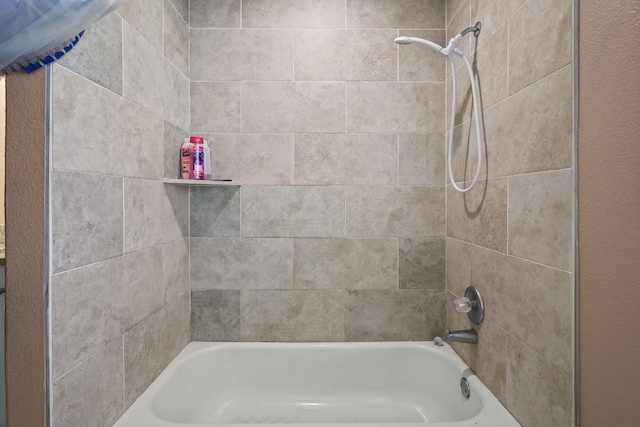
[{"x": 469, "y": 336}]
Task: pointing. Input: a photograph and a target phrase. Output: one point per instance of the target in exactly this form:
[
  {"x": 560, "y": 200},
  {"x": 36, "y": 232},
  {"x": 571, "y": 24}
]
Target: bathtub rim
[{"x": 142, "y": 413}]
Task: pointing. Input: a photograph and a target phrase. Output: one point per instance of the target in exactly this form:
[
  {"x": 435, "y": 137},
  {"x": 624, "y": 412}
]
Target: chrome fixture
[
  {"x": 465, "y": 388},
  {"x": 471, "y": 304},
  {"x": 468, "y": 336}
]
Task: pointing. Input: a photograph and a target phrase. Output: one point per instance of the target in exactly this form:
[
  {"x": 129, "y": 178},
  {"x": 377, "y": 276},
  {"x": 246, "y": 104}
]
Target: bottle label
[
  {"x": 198, "y": 163},
  {"x": 186, "y": 161}
]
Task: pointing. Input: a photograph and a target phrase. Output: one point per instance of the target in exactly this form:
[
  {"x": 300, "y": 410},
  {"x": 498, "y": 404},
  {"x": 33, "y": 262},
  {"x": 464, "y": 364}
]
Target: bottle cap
[{"x": 197, "y": 140}]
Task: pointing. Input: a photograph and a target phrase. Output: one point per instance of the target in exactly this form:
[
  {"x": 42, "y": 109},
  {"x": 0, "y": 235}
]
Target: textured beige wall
[
  {"x": 512, "y": 235},
  {"x": 609, "y": 223},
  {"x": 25, "y": 353},
  {"x": 337, "y": 135},
  {"x": 2, "y": 144},
  {"x": 119, "y": 254}
]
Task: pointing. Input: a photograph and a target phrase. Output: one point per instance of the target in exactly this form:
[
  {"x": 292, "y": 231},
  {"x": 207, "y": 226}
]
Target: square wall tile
[
  {"x": 84, "y": 315},
  {"x": 541, "y": 217},
  {"x": 345, "y": 263},
  {"x": 95, "y": 304},
  {"x": 539, "y": 292},
  {"x": 293, "y": 14},
  {"x": 149, "y": 89},
  {"x": 491, "y": 361},
  {"x": 216, "y": 107},
  {"x": 309, "y": 315},
  {"x": 493, "y": 14},
  {"x": 86, "y": 219},
  {"x": 215, "y": 13},
  {"x": 453, "y": 6},
  {"x": 368, "y": 55},
  {"x": 215, "y": 211},
  {"x": 479, "y": 216},
  {"x": 182, "y": 6},
  {"x": 215, "y": 315},
  {"x": 237, "y": 55},
  {"x": 543, "y": 137},
  {"x": 417, "y": 64},
  {"x": 142, "y": 285},
  {"x": 421, "y": 160},
  {"x": 241, "y": 263},
  {"x": 151, "y": 344},
  {"x": 104, "y": 36},
  {"x": 87, "y": 125},
  {"x": 154, "y": 213},
  {"x": 287, "y": 107},
  {"x": 544, "y": 30},
  {"x": 394, "y": 315},
  {"x": 145, "y": 17},
  {"x": 420, "y": 14},
  {"x": 421, "y": 264},
  {"x": 252, "y": 158},
  {"x": 395, "y": 107},
  {"x": 92, "y": 394},
  {"x": 292, "y": 211},
  {"x": 538, "y": 393},
  {"x": 143, "y": 156},
  {"x": 458, "y": 273},
  {"x": 339, "y": 159},
  {"x": 395, "y": 211},
  {"x": 175, "y": 268},
  {"x": 176, "y": 38},
  {"x": 493, "y": 59}
]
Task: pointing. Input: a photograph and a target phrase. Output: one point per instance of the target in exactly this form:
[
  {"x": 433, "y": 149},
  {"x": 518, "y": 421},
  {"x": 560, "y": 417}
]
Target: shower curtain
[{"x": 35, "y": 32}]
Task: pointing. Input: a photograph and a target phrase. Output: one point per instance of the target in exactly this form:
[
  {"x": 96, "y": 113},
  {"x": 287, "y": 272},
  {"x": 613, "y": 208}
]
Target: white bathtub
[{"x": 337, "y": 385}]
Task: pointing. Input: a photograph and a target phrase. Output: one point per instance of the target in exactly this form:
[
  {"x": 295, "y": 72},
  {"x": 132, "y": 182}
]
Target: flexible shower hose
[{"x": 453, "y": 122}]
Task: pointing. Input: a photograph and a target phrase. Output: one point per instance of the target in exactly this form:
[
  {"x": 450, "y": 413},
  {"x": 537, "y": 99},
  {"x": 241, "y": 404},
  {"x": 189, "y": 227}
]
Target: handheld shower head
[{"x": 429, "y": 44}]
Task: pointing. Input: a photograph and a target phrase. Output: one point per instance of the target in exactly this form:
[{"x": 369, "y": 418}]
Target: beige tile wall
[
  {"x": 337, "y": 134},
  {"x": 512, "y": 237},
  {"x": 120, "y": 238}
]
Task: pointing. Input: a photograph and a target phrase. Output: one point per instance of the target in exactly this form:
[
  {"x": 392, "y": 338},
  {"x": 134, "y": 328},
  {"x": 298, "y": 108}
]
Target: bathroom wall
[
  {"x": 609, "y": 224},
  {"x": 512, "y": 236},
  {"x": 119, "y": 237},
  {"x": 337, "y": 135},
  {"x": 3, "y": 104}
]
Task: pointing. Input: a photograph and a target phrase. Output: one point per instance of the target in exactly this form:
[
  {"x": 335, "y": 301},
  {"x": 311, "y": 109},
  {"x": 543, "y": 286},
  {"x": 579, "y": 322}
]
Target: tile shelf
[{"x": 197, "y": 182}]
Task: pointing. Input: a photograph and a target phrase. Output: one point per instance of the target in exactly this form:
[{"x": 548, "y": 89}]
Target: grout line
[
  {"x": 345, "y": 211},
  {"x": 507, "y": 215},
  {"x": 397, "y": 263},
  {"x": 380, "y": 29},
  {"x": 124, "y": 236},
  {"x": 124, "y": 376},
  {"x": 346, "y": 107},
  {"x": 508, "y": 58},
  {"x": 510, "y": 255},
  {"x": 122, "y": 55}
]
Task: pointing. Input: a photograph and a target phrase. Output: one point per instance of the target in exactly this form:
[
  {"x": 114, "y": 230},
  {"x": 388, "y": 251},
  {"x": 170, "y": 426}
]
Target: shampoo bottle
[
  {"x": 198, "y": 158},
  {"x": 186, "y": 159}
]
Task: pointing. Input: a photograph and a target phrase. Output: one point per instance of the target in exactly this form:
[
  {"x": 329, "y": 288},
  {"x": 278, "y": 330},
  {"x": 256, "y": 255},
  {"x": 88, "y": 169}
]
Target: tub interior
[{"x": 297, "y": 384}]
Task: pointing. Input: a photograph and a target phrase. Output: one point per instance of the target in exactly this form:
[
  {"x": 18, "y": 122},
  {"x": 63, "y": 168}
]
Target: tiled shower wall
[
  {"x": 119, "y": 253},
  {"x": 337, "y": 135},
  {"x": 512, "y": 236}
]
